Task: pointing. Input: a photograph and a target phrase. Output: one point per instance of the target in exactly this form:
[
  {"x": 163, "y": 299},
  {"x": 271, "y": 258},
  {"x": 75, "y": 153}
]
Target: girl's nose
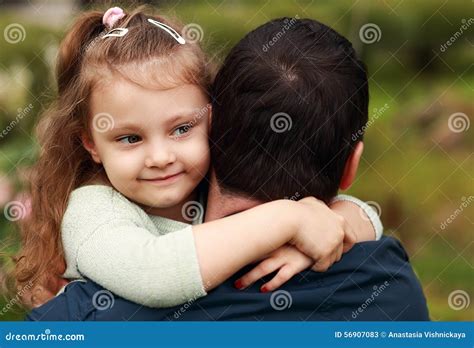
[{"x": 159, "y": 157}]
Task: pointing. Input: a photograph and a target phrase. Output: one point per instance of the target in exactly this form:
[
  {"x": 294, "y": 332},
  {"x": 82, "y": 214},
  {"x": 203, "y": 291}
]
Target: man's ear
[
  {"x": 90, "y": 147},
  {"x": 352, "y": 164},
  {"x": 209, "y": 116}
]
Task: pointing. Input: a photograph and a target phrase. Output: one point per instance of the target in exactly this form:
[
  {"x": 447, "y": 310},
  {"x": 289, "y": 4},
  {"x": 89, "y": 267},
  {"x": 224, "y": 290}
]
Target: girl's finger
[
  {"x": 262, "y": 269},
  {"x": 350, "y": 238},
  {"x": 284, "y": 274},
  {"x": 339, "y": 252},
  {"x": 322, "y": 265}
]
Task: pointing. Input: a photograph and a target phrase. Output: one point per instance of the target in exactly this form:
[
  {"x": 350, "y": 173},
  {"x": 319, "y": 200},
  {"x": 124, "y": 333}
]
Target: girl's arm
[
  {"x": 288, "y": 261},
  {"x": 163, "y": 271},
  {"x": 226, "y": 245}
]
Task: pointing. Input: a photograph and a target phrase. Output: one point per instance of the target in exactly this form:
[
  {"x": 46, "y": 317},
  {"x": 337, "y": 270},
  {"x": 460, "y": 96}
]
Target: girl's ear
[{"x": 90, "y": 147}]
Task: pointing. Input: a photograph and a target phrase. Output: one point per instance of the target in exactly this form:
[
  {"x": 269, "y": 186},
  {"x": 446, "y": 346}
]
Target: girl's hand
[
  {"x": 321, "y": 234},
  {"x": 287, "y": 260}
]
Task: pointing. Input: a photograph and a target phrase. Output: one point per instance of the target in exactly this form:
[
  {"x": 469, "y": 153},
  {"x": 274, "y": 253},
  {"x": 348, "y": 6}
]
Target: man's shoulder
[
  {"x": 373, "y": 281},
  {"x": 374, "y": 275},
  {"x": 86, "y": 300},
  {"x": 386, "y": 243},
  {"x": 387, "y": 250},
  {"x": 75, "y": 303}
]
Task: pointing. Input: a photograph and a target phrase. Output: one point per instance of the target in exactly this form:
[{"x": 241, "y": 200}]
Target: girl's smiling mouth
[{"x": 168, "y": 179}]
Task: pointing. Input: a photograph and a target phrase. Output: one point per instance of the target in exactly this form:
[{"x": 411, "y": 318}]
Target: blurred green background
[{"x": 417, "y": 167}]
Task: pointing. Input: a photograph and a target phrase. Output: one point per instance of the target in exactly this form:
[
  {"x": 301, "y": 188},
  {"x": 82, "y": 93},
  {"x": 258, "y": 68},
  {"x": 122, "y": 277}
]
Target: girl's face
[{"x": 153, "y": 144}]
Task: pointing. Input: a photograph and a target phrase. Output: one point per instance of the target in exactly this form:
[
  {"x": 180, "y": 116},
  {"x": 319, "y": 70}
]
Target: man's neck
[{"x": 221, "y": 204}]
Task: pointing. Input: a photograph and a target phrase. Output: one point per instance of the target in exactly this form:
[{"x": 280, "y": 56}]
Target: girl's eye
[
  {"x": 129, "y": 139},
  {"x": 178, "y": 132}
]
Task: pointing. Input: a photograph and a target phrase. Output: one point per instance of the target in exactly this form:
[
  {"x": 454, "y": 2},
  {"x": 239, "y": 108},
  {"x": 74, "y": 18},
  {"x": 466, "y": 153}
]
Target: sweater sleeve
[
  {"x": 155, "y": 271},
  {"x": 104, "y": 240},
  {"x": 373, "y": 215}
]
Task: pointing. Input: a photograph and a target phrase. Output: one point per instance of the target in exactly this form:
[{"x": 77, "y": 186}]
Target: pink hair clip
[{"x": 111, "y": 16}]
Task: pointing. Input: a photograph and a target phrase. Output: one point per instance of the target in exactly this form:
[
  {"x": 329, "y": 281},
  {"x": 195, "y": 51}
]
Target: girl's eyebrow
[
  {"x": 183, "y": 116},
  {"x": 127, "y": 126}
]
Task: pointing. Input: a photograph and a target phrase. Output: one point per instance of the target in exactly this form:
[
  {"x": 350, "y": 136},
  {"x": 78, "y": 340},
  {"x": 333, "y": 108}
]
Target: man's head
[{"x": 286, "y": 104}]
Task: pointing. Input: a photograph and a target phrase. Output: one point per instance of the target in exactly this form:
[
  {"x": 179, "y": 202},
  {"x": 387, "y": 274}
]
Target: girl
[{"x": 124, "y": 155}]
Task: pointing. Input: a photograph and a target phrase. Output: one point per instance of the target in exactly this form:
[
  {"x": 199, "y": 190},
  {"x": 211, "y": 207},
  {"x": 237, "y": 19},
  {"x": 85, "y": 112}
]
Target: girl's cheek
[
  {"x": 128, "y": 158},
  {"x": 198, "y": 152}
]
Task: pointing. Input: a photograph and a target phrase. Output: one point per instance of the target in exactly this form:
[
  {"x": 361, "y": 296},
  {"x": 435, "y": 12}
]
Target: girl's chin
[{"x": 162, "y": 201}]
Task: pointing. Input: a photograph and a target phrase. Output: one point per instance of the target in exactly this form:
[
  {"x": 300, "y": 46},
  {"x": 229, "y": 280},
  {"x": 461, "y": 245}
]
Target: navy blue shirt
[{"x": 373, "y": 281}]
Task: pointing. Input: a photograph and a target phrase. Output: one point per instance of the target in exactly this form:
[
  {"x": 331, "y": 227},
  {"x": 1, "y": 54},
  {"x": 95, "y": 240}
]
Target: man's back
[{"x": 373, "y": 281}]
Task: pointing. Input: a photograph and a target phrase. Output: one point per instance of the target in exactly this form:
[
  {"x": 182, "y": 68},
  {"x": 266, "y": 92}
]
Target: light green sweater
[{"x": 113, "y": 242}]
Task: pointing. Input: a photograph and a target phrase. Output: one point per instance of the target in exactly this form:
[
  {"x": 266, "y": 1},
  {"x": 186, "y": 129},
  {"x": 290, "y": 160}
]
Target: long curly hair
[{"x": 147, "y": 55}]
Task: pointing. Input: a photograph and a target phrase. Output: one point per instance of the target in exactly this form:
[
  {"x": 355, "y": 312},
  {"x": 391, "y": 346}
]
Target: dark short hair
[{"x": 286, "y": 104}]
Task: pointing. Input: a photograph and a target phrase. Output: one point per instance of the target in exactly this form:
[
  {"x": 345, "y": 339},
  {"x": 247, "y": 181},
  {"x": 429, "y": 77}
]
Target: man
[{"x": 287, "y": 103}]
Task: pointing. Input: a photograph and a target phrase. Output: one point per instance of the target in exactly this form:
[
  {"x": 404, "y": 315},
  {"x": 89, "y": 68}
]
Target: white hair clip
[
  {"x": 117, "y": 32},
  {"x": 169, "y": 30}
]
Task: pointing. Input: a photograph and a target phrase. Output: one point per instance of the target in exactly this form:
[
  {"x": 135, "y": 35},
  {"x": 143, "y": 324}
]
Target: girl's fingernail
[
  {"x": 238, "y": 284},
  {"x": 264, "y": 289}
]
